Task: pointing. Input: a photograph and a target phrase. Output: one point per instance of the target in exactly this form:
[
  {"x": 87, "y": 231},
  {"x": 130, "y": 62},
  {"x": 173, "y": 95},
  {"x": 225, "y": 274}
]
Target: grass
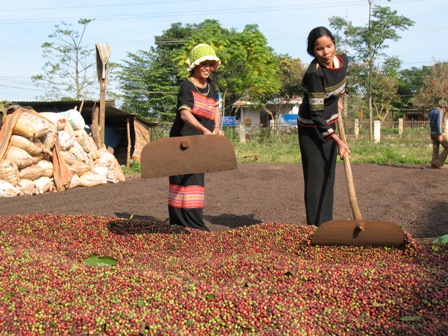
[
  {"x": 412, "y": 147},
  {"x": 391, "y": 150}
]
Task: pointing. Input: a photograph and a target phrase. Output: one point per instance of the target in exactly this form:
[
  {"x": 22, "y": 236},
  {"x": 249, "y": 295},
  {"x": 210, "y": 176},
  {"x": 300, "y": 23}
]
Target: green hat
[{"x": 202, "y": 52}]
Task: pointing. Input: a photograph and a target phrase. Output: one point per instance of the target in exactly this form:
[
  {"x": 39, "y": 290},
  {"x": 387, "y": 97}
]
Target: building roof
[{"x": 115, "y": 117}]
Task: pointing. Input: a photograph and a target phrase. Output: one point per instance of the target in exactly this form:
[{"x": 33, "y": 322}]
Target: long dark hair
[{"x": 314, "y": 35}]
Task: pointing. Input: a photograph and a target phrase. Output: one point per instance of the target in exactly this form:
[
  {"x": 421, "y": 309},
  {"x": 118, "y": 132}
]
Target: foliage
[
  {"x": 135, "y": 166},
  {"x": 100, "y": 261},
  {"x": 68, "y": 72},
  {"x": 249, "y": 67},
  {"x": 292, "y": 70},
  {"x": 368, "y": 42},
  {"x": 434, "y": 88},
  {"x": 265, "y": 279},
  {"x": 410, "y": 81},
  {"x": 441, "y": 240},
  {"x": 385, "y": 88},
  {"x": 149, "y": 86},
  {"x": 413, "y": 147},
  {"x": 149, "y": 79}
]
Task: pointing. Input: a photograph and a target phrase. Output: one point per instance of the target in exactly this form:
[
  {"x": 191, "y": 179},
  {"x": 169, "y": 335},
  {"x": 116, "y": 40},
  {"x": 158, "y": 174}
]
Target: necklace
[{"x": 208, "y": 87}]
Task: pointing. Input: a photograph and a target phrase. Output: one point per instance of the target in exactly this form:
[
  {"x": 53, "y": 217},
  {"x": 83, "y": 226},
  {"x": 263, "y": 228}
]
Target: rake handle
[{"x": 349, "y": 176}]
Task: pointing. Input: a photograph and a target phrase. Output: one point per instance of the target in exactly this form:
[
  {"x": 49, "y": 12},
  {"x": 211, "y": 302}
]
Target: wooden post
[
  {"x": 446, "y": 127},
  {"x": 400, "y": 126},
  {"x": 356, "y": 128},
  {"x": 345, "y": 106},
  {"x": 95, "y": 130},
  {"x": 102, "y": 113},
  {"x": 128, "y": 131},
  {"x": 102, "y": 57},
  {"x": 242, "y": 126},
  {"x": 377, "y": 131}
]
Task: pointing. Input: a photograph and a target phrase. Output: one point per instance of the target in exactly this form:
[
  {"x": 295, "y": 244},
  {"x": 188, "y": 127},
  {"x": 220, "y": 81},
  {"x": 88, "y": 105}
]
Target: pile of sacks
[{"x": 45, "y": 152}]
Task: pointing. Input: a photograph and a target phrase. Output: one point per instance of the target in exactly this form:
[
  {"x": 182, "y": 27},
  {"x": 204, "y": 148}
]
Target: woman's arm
[
  {"x": 217, "y": 129},
  {"x": 188, "y": 118},
  {"x": 342, "y": 146}
]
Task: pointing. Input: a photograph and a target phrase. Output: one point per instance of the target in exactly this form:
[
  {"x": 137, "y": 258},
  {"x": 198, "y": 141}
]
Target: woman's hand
[
  {"x": 218, "y": 131},
  {"x": 342, "y": 146},
  {"x": 342, "y": 149}
]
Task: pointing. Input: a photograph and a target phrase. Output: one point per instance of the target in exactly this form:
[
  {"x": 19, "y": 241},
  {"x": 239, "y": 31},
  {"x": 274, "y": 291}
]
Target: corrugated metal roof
[{"x": 115, "y": 117}]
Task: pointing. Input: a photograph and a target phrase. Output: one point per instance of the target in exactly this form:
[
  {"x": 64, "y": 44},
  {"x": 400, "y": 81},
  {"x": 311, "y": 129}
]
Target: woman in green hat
[{"x": 197, "y": 113}]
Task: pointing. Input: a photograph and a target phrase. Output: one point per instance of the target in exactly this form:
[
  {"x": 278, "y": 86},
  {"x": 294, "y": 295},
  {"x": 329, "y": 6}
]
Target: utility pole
[{"x": 369, "y": 88}]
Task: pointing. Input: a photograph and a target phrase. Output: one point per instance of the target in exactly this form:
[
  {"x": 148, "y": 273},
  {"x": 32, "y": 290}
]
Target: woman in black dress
[
  {"x": 197, "y": 113},
  {"x": 324, "y": 84}
]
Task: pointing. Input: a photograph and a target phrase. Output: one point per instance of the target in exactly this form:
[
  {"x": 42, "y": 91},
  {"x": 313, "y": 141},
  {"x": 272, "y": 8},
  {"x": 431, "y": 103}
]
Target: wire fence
[{"x": 405, "y": 131}]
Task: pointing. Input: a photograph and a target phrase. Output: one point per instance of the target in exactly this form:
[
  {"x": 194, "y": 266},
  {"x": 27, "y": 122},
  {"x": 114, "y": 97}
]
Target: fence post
[
  {"x": 376, "y": 131},
  {"x": 400, "y": 126},
  {"x": 356, "y": 128}
]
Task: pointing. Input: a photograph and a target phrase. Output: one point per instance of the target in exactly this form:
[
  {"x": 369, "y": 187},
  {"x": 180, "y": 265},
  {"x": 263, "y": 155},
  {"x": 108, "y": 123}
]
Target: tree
[
  {"x": 385, "y": 97},
  {"x": 150, "y": 91},
  {"x": 368, "y": 42},
  {"x": 249, "y": 67},
  {"x": 292, "y": 71},
  {"x": 149, "y": 79},
  {"x": 434, "y": 88},
  {"x": 410, "y": 81},
  {"x": 67, "y": 71}
]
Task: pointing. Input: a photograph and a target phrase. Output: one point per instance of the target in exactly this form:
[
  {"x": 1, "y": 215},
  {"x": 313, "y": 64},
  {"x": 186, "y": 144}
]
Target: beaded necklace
[{"x": 208, "y": 87}]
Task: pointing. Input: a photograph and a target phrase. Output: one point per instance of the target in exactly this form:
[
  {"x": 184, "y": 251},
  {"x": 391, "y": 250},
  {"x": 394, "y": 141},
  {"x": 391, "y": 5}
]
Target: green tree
[
  {"x": 292, "y": 71},
  {"x": 384, "y": 94},
  {"x": 368, "y": 42},
  {"x": 409, "y": 83},
  {"x": 150, "y": 91},
  {"x": 149, "y": 79},
  {"x": 69, "y": 69},
  {"x": 434, "y": 88},
  {"x": 249, "y": 70},
  {"x": 249, "y": 66}
]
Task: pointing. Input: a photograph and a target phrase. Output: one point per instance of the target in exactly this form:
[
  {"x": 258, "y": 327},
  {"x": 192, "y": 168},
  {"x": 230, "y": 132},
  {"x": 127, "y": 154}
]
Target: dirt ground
[{"x": 415, "y": 197}]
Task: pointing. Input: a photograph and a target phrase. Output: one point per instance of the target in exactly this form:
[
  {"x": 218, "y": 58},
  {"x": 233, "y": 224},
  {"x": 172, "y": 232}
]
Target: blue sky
[{"x": 130, "y": 25}]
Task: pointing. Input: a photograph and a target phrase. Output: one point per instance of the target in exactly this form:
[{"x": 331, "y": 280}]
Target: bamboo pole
[{"x": 128, "y": 131}]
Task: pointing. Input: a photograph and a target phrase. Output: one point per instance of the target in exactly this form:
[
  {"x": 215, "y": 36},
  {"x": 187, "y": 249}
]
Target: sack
[
  {"x": 26, "y": 187},
  {"x": 47, "y": 167},
  {"x": 90, "y": 179},
  {"x": 74, "y": 118},
  {"x": 55, "y": 118},
  {"x": 65, "y": 140},
  {"x": 105, "y": 159},
  {"x": 74, "y": 182},
  {"x": 68, "y": 157},
  {"x": 32, "y": 172},
  {"x": 50, "y": 139},
  {"x": 7, "y": 189},
  {"x": 19, "y": 156},
  {"x": 30, "y": 126},
  {"x": 80, "y": 168},
  {"x": 43, "y": 184},
  {"x": 31, "y": 147},
  {"x": 9, "y": 172},
  {"x": 82, "y": 139}
]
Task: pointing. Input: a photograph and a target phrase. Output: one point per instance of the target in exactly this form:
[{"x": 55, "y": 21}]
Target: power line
[{"x": 183, "y": 13}]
